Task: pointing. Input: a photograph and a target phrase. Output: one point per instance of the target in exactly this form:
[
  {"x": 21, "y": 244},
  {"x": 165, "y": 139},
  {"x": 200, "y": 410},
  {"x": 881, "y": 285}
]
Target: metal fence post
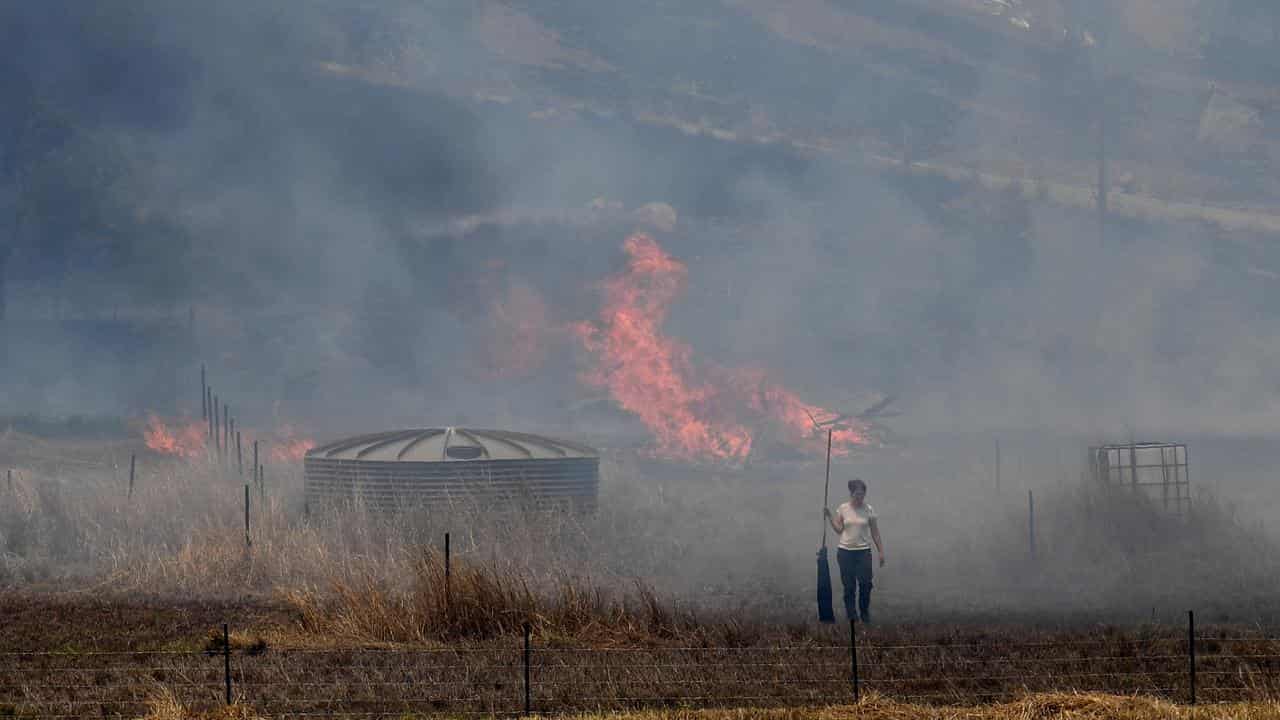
[
  {"x": 1191, "y": 651},
  {"x": 853, "y": 656},
  {"x": 226, "y": 659},
  {"x": 528, "y": 694}
]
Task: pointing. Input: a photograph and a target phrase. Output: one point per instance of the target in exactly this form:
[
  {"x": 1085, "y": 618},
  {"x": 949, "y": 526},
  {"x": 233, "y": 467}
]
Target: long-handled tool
[{"x": 825, "y": 612}]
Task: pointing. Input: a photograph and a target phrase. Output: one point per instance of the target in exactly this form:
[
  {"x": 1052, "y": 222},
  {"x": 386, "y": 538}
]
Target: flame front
[
  {"x": 186, "y": 440},
  {"x": 707, "y": 414},
  {"x": 289, "y": 446}
]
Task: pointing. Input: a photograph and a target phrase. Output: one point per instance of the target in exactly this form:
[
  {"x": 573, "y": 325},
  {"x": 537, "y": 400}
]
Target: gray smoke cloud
[
  {"x": 332, "y": 206},
  {"x": 364, "y": 216}
]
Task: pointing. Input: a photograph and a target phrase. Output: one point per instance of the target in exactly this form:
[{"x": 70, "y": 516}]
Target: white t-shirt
[{"x": 857, "y": 526}]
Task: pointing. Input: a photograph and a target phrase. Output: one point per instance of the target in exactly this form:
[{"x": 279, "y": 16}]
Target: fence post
[
  {"x": 528, "y": 693},
  {"x": 247, "y": 541},
  {"x": 10, "y": 479},
  {"x": 204, "y": 401},
  {"x": 448, "y": 586},
  {"x": 133, "y": 466},
  {"x": 853, "y": 656},
  {"x": 1191, "y": 651},
  {"x": 226, "y": 659}
]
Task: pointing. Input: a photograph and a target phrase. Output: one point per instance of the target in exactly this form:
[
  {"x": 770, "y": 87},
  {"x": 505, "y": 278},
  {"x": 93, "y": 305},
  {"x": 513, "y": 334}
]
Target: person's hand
[{"x": 881, "y": 559}]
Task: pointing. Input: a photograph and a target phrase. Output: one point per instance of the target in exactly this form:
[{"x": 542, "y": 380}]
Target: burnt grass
[{"x": 80, "y": 656}]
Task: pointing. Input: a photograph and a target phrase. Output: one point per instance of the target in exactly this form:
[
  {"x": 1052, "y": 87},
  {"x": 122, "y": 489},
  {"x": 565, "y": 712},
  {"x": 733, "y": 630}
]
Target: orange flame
[
  {"x": 692, "y": 414},
  {"x": 186, "y": 440},
  {"x": 289, "y": 446}
]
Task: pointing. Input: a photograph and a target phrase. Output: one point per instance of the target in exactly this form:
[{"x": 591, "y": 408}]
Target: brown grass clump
[
  {"x": 165, "y": 705},
  {"x": 1043, "y": 706},
  {"x": 481, "y": 600}
]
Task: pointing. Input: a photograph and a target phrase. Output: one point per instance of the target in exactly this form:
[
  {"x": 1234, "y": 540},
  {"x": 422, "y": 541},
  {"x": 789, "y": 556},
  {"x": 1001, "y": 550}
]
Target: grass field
[
  {"x": 1041, "y": 706},
  {"x": 670, "y": 598}
]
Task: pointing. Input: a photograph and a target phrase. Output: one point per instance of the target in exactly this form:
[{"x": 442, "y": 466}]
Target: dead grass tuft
[
  {"x": 481, "y": 601},
  {"x": 165, "y": 705}
]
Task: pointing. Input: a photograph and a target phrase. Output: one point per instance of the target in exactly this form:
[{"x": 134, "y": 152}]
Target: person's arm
[
  {"x": 875, "y": 537},
  {"x": 836, "y": 520}
]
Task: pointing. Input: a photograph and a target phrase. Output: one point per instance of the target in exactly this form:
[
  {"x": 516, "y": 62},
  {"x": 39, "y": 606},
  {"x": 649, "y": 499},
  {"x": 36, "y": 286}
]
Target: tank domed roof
[{"x": 449, "y": 444}]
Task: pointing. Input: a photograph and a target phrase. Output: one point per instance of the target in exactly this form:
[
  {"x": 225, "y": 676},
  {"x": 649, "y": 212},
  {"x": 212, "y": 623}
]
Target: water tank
[{"x": 452, "y": 467}]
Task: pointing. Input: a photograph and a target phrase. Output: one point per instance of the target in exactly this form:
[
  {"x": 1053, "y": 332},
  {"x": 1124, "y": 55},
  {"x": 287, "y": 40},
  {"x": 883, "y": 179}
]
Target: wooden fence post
[
  {"x": 226, "y": 659},
  {"x": 528, "y": 691},
  {"x": 248, "y": 542},
  {"x": 1191, "y": 651},
  {"x": 853, "y": 656}
]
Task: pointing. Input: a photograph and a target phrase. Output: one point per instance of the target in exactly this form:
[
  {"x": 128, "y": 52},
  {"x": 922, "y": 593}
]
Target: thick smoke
[
  {"x": 289, "y": 179},
  {"x": 368, "y": 216}
]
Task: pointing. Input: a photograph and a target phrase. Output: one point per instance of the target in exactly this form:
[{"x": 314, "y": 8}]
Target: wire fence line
[{"x": 513, "y": 678}]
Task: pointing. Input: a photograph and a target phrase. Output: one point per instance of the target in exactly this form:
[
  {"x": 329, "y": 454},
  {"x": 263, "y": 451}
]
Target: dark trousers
[{"x": 855, "y": 575}]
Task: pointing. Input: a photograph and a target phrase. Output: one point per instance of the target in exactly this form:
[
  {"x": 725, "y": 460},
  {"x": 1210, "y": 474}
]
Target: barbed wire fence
[{"x": 514, "y": 679}]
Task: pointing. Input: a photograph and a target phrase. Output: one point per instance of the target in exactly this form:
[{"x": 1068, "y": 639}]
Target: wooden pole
[
  {"x": 216, "y": 429},
  {"x": 826, "y": 487},
  {"x": 528, "y": 690},
  {"x": 204, "y": 388},
  {"x": 226, "y": 429},
  {"x": 133, "y": 464},
  {"x": 226, "y": 659},
  {"x": 1191, "y": 651},
  {"x": 256, "y": 477},
  {"x": 853, "y": 656},
  {"x": 448, "y": 586},
  {"x": 248, "y": 542},
  {"x": 10, "y": 479},
  {"x": 1104, "y": 185},
  {"x": 239, "y": 455}
]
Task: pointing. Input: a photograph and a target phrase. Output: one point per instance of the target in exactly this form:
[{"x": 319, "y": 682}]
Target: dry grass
[
  {"x": 1047, "y": 706},
  {"x": 1043, "y": 706},
  {"x": 483, "y": 601},
  {"x": 674, "y": 552},
  {"x": 165, "y": 705}
]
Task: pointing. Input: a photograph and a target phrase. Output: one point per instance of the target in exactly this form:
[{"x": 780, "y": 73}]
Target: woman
[{"x": 855, "y": 522}]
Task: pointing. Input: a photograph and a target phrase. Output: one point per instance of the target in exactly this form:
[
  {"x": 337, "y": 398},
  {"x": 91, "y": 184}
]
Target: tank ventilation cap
[{"x": 463, "y": 452}]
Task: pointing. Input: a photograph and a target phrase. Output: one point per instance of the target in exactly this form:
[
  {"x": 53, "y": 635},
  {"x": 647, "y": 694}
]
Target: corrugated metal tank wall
[{"x": 452, "y": 467}]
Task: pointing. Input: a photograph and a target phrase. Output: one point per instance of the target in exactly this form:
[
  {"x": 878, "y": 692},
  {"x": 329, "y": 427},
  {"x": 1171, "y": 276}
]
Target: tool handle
[{"x": 826, "y": 488}]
